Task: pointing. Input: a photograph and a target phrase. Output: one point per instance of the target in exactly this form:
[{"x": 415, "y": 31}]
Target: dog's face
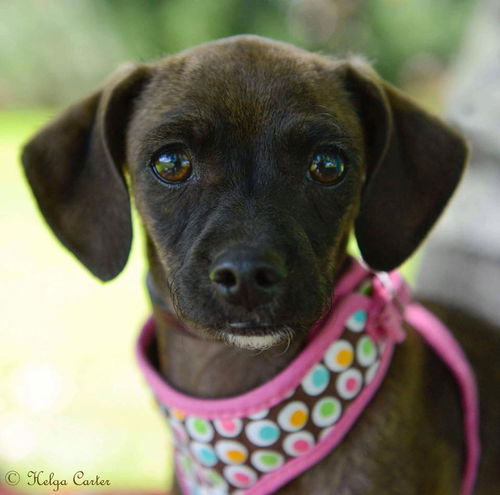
[
  {"x": 251, "y": 228},
  {"x": 250, "y": 162}
]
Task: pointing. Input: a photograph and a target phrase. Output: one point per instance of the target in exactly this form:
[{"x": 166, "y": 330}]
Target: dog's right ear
[{"x": 74, "y": 166}]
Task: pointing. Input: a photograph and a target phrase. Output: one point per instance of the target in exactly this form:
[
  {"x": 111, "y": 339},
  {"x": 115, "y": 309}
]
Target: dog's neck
[
  {"x": 211, "y": 369},
  {"x": 207, "y": 368}
]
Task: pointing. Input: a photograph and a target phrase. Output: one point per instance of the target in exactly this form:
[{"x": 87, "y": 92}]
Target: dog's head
[{"x": 250, "y": 162}]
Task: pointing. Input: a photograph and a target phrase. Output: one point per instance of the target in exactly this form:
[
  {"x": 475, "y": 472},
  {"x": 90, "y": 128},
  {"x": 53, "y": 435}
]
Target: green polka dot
[
  {"x": 268, "y": 459},
  {"x": 327, "y": 408},
  {"x": 367, "y": 347},
  {"x": 200, "y": 426},
  {"x": 187, "y": 464},
  {"x": 215, "y": 478},
  {"x": 326, "y": 412},
  {"x": 365, "y": 288}
]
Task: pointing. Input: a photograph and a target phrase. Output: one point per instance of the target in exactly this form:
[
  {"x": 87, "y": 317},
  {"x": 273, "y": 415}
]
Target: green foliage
[
  {"x": 53, "y": 52},
  {"x": 63, "y": 407},
  {"x": 399, "y": 29}
]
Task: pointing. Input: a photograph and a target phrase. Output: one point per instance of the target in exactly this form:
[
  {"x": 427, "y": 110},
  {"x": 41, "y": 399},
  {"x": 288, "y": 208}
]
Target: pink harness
[{"x": 255, "y": 443}]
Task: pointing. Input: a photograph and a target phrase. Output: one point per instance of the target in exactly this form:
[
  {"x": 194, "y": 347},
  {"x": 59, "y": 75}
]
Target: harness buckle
[
  {"x": 394, "y": 297},
  {"x": 390, "y": 313}
]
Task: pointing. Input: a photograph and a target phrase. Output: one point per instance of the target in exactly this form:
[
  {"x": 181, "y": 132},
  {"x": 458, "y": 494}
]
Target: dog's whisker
[{"x": 288, "y": 336}]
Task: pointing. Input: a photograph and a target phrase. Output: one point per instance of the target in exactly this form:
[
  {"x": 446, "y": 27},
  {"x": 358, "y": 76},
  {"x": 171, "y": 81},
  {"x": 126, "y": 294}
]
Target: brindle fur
[{"x": 251, "y": 111}]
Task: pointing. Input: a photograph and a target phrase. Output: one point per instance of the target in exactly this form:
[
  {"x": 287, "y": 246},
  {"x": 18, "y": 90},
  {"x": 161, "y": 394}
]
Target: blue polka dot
[
  {"x": 269, "y": 433},
  {"x": 204, "y": 454},
  {"x": 360, "y": 316},
  {"x": 263, "y": 432},
  {"x": 207, "y": 456},
  {"x": 357, "y": 321},
  {"x": 320, "y": 377}
]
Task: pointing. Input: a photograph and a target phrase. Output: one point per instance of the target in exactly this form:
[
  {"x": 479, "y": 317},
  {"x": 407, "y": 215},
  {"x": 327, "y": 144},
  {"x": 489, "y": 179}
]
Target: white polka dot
[
  {"x": 326, "y": 411},
  {"x": 178, "y": 432},
  {"x": 349, "y": 383},
  {"x": 366, "y": 351},
  {"x": 240, "y": 476},
  {"x": 186, "y": 463},
  {"x": 357, "y": 321},
  {"x": 316, "y": 380},
  {"x": 262, "y": 433},
  {"x": 177, "y": 414},
  {"x": 325, "y": 432},
  {"x": 231, "y": 452},
  {"x": 204, "y": 453},
  {"x": 267, "y": 460},
  {"x": 339, "y": 355},
  {"x": 229, "y": 428},
  {"x": 372, "y": 371},
  {"x": 259, "y": 415},
  {"x": 199, "y": 429},
  {"x": 293, "y": 416},
  {"x": 299, "y": 443},
  {"x": 216, "y": 482}
]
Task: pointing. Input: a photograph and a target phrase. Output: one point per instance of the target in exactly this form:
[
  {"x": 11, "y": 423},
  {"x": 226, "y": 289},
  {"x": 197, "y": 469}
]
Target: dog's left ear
[
  {"x": 414, "y": 162},
  {"x": 74, "y": 166}
]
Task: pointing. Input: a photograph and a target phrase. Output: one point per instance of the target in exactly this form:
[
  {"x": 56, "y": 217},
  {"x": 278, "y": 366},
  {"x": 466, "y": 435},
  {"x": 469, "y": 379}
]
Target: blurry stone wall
[{"x": 461, "y": 264}]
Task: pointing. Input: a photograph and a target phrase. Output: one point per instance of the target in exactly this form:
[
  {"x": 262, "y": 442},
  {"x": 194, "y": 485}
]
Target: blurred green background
[{"x": 70, "y": 395}]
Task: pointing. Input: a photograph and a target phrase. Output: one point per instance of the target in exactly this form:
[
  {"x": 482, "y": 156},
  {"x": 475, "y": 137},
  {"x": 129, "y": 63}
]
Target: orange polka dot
[
  {"x": 298, "y": 418},
  {"x": 178, "y": 414},
  {"x": 344, "y": 357},
  {"x": 236, "y": 456}
]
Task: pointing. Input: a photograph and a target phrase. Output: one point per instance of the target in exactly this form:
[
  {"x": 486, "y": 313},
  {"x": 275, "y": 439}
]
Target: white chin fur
[{"x": 254, "y": 342}]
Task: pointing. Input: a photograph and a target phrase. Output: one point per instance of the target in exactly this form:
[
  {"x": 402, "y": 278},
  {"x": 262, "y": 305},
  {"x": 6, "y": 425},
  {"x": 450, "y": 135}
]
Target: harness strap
[{"x": 439, "y": 338}]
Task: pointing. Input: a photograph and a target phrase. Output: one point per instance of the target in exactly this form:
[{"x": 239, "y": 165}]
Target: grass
[{"x": 71, "y": 396}]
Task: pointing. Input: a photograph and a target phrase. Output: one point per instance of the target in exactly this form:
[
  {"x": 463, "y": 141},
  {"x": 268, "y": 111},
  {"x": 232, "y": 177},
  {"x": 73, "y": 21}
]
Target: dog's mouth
[
  {"x": 250, "y": 325},
  {"x": 257, "y": 336}
]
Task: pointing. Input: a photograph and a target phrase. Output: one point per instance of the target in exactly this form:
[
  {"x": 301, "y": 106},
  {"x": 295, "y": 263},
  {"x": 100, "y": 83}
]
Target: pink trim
[
  {"x": 440, "y": 339},
  {"x": 350, "y": 280},
  {"x": 355, "y": 275},
  {"x": 262, "y": 397}
]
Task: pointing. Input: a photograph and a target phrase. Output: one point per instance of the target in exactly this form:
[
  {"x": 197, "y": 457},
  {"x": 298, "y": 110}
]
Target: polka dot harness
[{"x": 257, "y": 442}]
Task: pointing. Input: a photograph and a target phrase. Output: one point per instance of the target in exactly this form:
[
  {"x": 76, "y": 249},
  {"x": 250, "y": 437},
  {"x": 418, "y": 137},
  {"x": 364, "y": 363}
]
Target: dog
[{"x": 250, "y": 162}]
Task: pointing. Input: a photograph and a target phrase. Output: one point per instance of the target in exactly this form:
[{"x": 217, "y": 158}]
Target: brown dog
[{"x": 228, "y": 149}]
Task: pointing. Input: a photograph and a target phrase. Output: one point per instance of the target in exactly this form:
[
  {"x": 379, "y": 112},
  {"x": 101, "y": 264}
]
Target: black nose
[{"x": 248, "y": 278}]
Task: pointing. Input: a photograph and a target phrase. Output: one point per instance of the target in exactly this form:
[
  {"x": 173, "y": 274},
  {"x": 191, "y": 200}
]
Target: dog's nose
[{"x": 247, "y": 278}]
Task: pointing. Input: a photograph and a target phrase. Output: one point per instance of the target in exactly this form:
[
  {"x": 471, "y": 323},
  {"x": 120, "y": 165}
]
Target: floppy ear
[
  {"x": 414, "y": 161},
  {"x": 74, "y": 166}
]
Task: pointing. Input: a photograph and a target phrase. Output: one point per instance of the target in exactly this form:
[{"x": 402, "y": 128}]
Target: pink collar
[{"x": 257, "y": 442}]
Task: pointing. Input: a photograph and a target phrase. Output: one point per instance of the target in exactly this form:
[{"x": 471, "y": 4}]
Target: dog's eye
[
  {"x": 326, "y": 167},
  {"x": 172, "y": 166}
]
